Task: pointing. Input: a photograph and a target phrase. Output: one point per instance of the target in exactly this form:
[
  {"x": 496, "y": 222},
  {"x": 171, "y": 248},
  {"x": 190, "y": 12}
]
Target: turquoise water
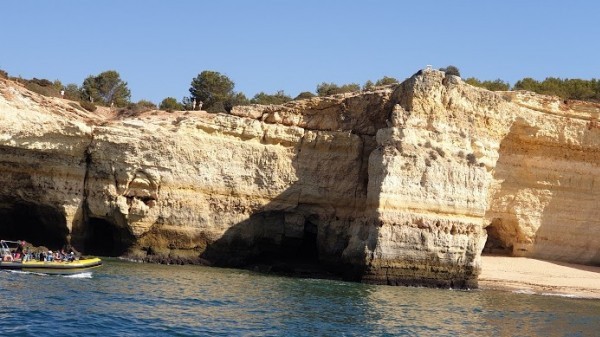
[{"x": 132, "y": 299}]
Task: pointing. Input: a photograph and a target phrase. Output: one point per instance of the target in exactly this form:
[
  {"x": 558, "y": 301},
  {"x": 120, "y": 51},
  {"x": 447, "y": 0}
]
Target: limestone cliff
[{"x": 401, "y": 185}]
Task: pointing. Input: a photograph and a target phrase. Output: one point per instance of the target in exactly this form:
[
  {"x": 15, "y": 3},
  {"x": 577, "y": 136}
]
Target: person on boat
[
  {"x": 49, "y": 256},
  {"x": 18, "y": 254},
  {"x": 69, "y": 253}
]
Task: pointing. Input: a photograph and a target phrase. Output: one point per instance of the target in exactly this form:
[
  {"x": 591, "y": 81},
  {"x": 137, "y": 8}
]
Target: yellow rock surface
[{"x": 401, "y": 185}]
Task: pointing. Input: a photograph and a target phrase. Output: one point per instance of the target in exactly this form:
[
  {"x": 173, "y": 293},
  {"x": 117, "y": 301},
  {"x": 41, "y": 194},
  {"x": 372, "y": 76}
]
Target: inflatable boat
[{"x": 12, "y": 260}]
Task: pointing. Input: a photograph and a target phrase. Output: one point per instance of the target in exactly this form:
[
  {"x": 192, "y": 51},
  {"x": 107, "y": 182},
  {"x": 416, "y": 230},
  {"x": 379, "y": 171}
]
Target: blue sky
[{"x": 158, "y": 47}]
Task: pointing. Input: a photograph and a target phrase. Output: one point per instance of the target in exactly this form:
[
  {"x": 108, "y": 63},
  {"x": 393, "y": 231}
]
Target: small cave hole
[
  {"x": 308, "y": 249},
  {"x": 495, "y": 245}
]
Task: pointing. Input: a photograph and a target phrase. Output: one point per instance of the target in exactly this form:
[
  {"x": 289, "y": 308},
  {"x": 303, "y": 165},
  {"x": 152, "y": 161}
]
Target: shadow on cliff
[
  {"x": 25, "y": 211},
  {"x": 531, "y": 175},
  {"x": 305, "y": 230},
  {"x": 504, "y": 227}
]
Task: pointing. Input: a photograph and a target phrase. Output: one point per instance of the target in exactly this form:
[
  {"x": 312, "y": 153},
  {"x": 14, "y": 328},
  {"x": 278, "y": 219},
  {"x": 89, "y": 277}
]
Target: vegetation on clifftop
[{"x": 214, "y": 92}]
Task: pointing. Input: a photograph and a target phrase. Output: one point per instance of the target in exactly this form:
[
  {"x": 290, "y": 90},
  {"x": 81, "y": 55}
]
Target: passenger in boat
[
  {"x": 49, "y": 256},
  {"x": 19, "y": 251},
  {"x": 68, "y": 253},
  {"x": 59, "y": 256}
]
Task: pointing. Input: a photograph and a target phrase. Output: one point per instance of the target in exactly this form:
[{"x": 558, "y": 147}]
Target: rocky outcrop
[{"x": 401, "y": 185}]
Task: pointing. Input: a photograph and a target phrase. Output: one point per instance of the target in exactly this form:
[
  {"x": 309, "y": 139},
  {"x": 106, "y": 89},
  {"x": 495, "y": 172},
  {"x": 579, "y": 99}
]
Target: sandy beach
[{"x": 539, "y": 277}]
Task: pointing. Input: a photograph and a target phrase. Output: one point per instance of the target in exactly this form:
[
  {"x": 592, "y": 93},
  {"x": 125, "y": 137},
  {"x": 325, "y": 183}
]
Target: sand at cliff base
[{"x": 526, "y": 275}]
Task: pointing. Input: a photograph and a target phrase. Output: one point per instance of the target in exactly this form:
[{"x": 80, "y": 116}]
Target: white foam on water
[
  {"x": 563, "y": 295},
  {"x": 524, "y": 291},
  {"x": 531, "y": 292},
  {"x": 24, "y": 272},
  {"x": 80, "y": 275}
]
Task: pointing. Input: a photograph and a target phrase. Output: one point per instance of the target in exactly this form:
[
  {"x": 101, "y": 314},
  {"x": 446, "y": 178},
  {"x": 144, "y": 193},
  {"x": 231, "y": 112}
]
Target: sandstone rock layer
[{"x": 402, "y": 185}]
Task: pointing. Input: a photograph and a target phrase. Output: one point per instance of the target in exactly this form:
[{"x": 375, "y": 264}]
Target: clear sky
[{"x": 158, "y": 47}]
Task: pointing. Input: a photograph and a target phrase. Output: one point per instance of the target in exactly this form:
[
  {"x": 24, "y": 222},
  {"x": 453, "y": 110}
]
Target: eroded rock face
[{"x": 401, "y": 185}]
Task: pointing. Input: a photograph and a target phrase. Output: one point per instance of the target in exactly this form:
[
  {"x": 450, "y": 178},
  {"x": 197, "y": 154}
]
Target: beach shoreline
[{"x": 532, "y": 276}]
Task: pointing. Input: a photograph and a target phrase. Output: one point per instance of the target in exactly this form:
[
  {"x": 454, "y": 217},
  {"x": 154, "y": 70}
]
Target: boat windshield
[{"x": 7, "y": 247}]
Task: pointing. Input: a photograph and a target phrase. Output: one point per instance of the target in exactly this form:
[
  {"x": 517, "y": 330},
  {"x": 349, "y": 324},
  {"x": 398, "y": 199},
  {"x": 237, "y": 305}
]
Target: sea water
[{"x": 133, "y": 299}]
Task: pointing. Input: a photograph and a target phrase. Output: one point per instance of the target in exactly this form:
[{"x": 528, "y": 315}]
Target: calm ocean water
[{"x": 132, "y": 299}]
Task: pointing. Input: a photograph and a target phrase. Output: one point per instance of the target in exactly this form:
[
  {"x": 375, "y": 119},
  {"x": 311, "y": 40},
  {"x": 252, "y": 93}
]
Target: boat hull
[{"x": 54, "y": 268}]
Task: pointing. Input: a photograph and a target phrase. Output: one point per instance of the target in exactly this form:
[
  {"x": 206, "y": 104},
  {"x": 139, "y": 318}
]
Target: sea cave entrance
[
  {"x": 38, "y": 224},
  {"x": 497, "y": 243},
  {"x": 288, "y": 248},
  {"x": 105, "y": 238}
]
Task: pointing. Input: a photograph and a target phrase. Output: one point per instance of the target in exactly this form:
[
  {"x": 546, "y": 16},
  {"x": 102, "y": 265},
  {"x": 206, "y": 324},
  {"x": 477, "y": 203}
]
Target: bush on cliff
[
  {"x": 72, "y": 92},
  {"x": 263, "y": 98},
  {"x": 106, "y": 89},
  {"x": 451, "y": 70},
  {"x": 44, "y": 87},
  {"x": 496, "y": 85},
  {"x": 170, "y": 104},
  {"x": 566, "y": 88},
  {"x": 3, "y": 74},
  {"x": 134, "y": 109},
  {"x": 89, "y": 106},
  {"x": 386, "y": 80},
  {"x": 215, "y": 91},
  {"x": 304, "y": 95},
  {"x": 327, "y": 89},
  {"x": 144, "y": 105}
]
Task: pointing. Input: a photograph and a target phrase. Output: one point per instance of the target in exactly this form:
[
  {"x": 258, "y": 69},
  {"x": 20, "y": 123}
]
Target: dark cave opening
[
  {"x": 38, "y": 224},
  {"x": 296, "y": 253},
  {"x": 298, "y": 247},
  {"x": 495, "y": 244},
  {"x": 308, "y": 249},
  {"x": 105, "y": 238}
]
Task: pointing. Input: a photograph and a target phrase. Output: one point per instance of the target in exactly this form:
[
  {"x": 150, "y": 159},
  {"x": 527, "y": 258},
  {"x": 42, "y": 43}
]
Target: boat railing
[{"x": 5, "y": 249}]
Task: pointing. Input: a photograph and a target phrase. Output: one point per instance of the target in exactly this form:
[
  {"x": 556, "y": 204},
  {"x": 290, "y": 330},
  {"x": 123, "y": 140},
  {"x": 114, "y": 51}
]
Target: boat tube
[{"x": 12, "y": 260}]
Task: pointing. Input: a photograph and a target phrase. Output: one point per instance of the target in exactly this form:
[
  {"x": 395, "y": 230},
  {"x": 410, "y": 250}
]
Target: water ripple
[{"x": 133, "y": 299}]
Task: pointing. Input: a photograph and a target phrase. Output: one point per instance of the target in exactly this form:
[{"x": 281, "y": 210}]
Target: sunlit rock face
[{"x": 406, "y": 184}]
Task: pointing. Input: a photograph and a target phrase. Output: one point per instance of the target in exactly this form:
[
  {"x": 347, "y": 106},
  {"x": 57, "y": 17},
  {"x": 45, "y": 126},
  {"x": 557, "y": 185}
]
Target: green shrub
[
  {"x": 304, "y": 95},
  {"x": 451, "y": 70},
  {"x": 368, "y": 86},
  {"x": 386, "y": 80},
  {"x": 72, "y": 92},
  {"x": 89, "y": 106},
  {"x": 327, "y": 89},
  {"x": 144, "y": 105},
  {"x": 217, "y": 107},
  {"x": 263, "y": 98},
  {"x": 496, "y": 85},
  {"x": 44, "y": 90},
  {"x": 170, "y": 104},
  {"x": 41, "y": 82}
]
